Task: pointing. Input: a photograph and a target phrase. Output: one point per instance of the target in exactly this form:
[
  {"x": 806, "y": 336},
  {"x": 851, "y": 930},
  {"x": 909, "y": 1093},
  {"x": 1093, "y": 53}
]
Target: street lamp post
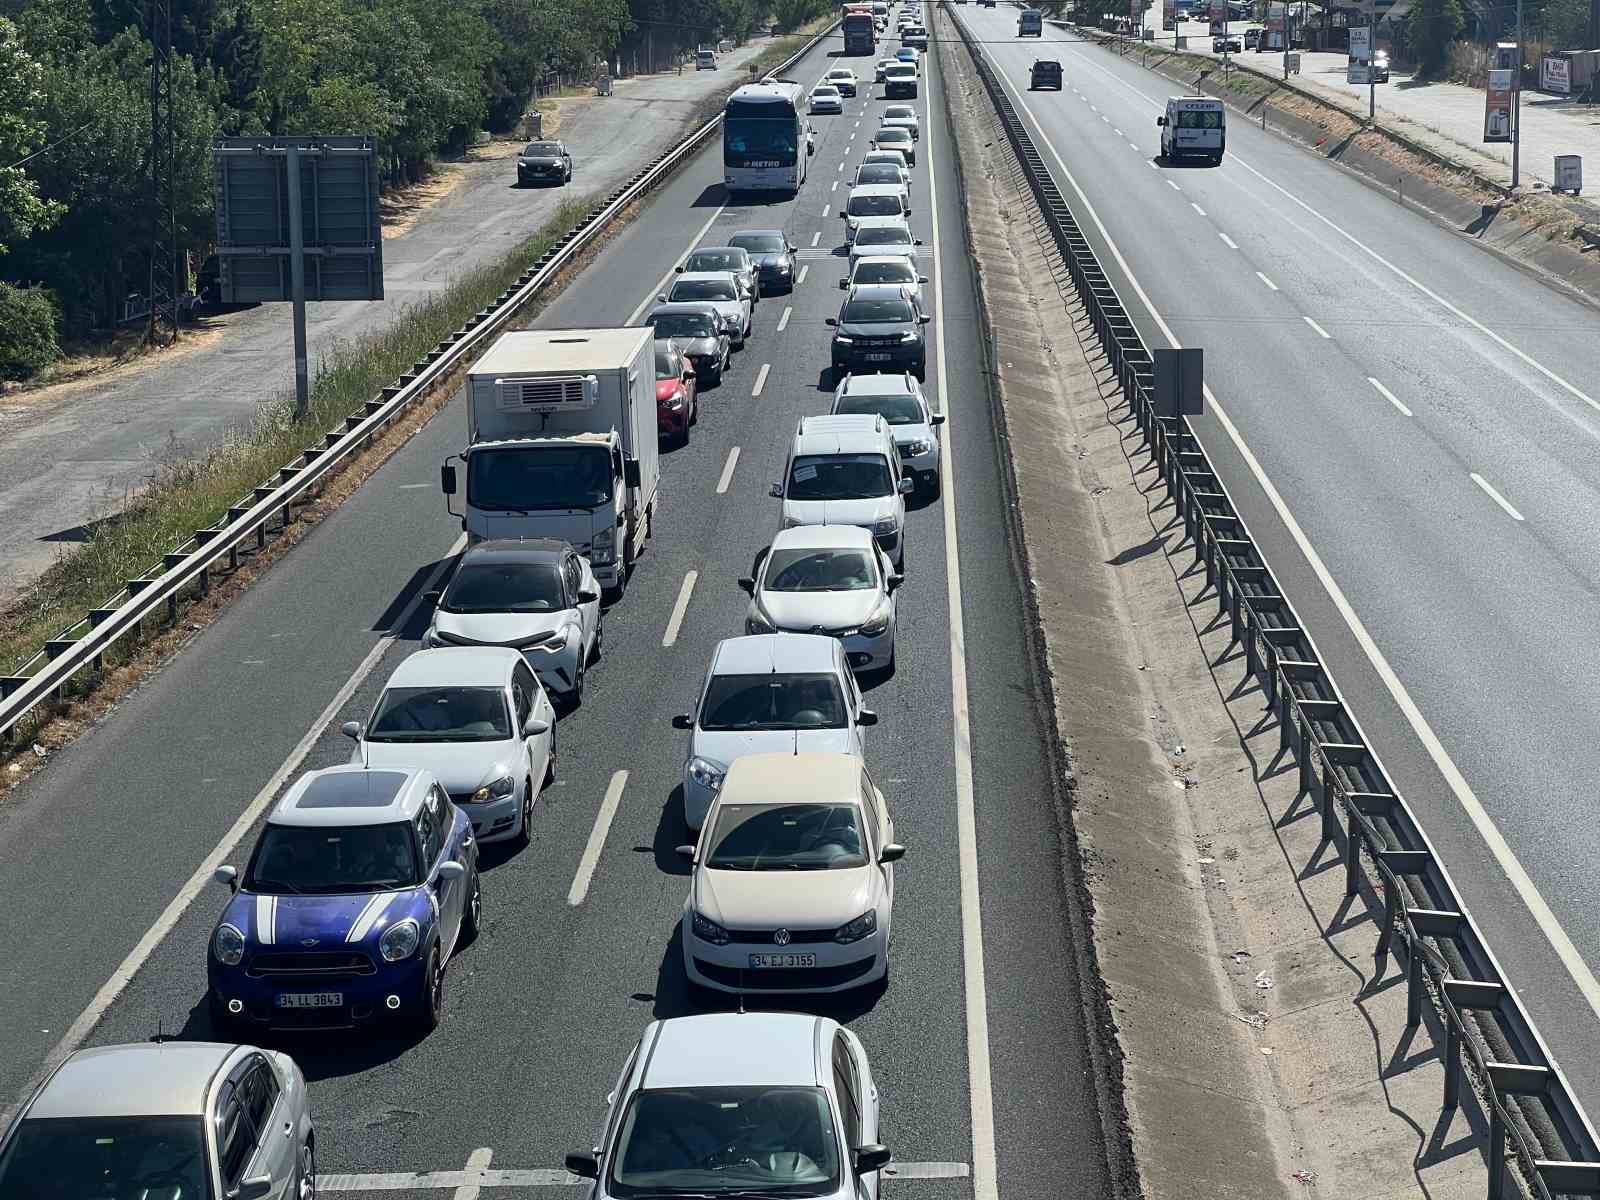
[{"x": 1516, "y": 108}]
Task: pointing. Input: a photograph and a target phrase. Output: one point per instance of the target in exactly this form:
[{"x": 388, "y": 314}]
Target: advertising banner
[
  {"x": 1497, "y": 107},
  {"x": 1219, "y": 17},
  {"x": 1169, "y": 14},
  {"x": 1555, "y": 75},
  {"x": 1358, "y": 72},
  {"x": 1361, "y": 43}
]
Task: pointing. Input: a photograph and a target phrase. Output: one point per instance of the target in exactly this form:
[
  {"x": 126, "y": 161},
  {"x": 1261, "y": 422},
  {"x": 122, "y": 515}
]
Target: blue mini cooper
[{"x": 361, "y": 886}]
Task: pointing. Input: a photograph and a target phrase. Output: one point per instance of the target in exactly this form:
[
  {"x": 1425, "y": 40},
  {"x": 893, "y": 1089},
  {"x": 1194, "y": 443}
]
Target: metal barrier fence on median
[
  {"x": 1530, "y": 1105},
  {"x": 186, "y": 569}
]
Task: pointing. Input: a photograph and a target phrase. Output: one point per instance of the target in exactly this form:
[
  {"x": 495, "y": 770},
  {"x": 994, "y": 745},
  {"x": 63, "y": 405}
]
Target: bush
[
  {"x": 27, "y": 331},
  {"x": 1431, "y": 28}
]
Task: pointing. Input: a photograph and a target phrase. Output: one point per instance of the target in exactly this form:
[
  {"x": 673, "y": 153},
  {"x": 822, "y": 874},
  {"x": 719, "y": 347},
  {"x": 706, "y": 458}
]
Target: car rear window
[
  {"x": 889, "y": 235},
  {"x": 862, "y": 311},
  {"x": 874, "y": 206},
  {"x": 702, "y": 289}
]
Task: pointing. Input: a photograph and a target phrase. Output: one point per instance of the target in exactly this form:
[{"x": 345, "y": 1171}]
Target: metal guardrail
[
  {"x": 1529, "y": 1102},
  {"x": 186, "y": 569}
]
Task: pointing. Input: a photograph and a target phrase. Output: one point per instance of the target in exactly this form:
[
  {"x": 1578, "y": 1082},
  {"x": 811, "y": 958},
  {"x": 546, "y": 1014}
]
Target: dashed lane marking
[
  {"x": 597, "y": 839},
  {"x": 1228, "y": 241},
  {"x": 783, "y": 321},
  {"x": 801, "y": 278},
  {"x": 1489, "y": 491},
  {"x": 1266, "y": 281},
  {"x": 1319, "y": 329},
  {"x": 761, "y": 379},
  {"x": 675, "y": 621},
  {"x": 1197, "y": 208},
  {"x": 727, "y": 472},
  {"x": 1389, "y": 396},
  {"x": 816, "y": 237}
]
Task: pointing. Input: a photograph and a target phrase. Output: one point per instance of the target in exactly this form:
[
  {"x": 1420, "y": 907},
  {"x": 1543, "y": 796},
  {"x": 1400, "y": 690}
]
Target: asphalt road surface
[
  {"x": 1429, "y": 415},
  {"x": 68, "y": 462},
  {"x": 977, "y": 1041}
]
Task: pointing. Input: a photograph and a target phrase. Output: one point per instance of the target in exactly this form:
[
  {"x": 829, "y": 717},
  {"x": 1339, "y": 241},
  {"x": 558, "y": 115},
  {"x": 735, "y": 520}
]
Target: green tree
[
  {"x": 1431, "y": 27},
  {"x": 23, "y": 131},
  {"x": 27, "y": 331}
]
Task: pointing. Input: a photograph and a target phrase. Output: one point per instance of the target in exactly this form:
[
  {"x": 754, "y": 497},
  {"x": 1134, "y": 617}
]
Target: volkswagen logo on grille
[{"x": 781, "y": 938}]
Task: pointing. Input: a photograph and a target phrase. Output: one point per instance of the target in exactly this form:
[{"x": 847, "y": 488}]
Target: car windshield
[
  {"x": 772, "y": 701},
  {"x": 879, "y": 173},
  {"x": 772, "y": 1141},
  {"x": 318, "y": 860},
  {"x": 690, "y": 325},
  {"x": 758, "y": 243},
  {"x": 887, "y": 235},
  {"x": 819, "y": 570},
  {"x": 894, "y": 135},
  {"x": 874, "y": 206},
  {"x": 898, "y": 271},
  {"x": 539, "y": 477},
  {"x": 715, "y": 260},
  {"x": 875, "y": 312},
  {"x": 899, "y": 112},
  {"x": 440, "y": 714},
  {"x": 842, "y": 75},
  {"x": 666, "y": 365},
  {"x": 897, "y": 410},
  {"x": 839, "y": 477},
  {"x": 541, "y": 149},
  {"x": 825, "y": 91},
  {"x": 106, "y": 1158},
  {"x": 702, "y": 289},
  {"x": 786, "y": 837},
  {"x": 505, "y": 587}
]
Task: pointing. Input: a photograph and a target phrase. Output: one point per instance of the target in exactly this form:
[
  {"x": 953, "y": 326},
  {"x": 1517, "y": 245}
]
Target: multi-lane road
[
  {"x": 1422, "y": 421},
  {"x": 977, "y": 1043}
]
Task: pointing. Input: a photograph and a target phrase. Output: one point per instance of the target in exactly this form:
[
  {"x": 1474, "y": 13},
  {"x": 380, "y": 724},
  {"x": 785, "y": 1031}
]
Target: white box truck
[{"x": 561, "y": 429}]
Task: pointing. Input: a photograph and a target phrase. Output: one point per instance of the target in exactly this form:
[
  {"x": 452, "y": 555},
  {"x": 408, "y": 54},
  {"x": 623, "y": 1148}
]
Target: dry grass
[
  {"x": 400, "y": 208},
  {"x": 90, "y": 364}
]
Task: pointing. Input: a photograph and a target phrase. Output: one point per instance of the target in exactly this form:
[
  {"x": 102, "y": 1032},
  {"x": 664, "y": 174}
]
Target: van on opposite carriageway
[{"x": 1193, "y": 127}]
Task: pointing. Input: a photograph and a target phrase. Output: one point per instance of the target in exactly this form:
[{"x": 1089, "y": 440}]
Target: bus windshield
[{"x": 760, "y": 141}]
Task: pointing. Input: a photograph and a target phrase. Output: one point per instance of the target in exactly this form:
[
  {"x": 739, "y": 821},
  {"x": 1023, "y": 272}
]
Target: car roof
[
  {"x": 806, "y": 777},
  {"x": 824, "y": 87},
  {"x": 882, "y": 259},
  {"x": 718, "y": 276},
  {"x": 718, "y": 250},
  {"x": 850, "y": 439},
  {"x": 878, "y": 385},
  {"x": 878, "y": 291},
  {"x": 353, "y": 795},
  {"x": 499, "y": 550},
  {"x": 774, "y": 654},
  {"x": 673, "y": 308},
  {"x": 878, "y": 189},
  {"x": 140, "y": 1079},
  {"x": 743, "y": 1049},
  {"x": 461, "y": 666},
  {"x": 806, "y": 537},
  {"x": 896, "y": 132}
]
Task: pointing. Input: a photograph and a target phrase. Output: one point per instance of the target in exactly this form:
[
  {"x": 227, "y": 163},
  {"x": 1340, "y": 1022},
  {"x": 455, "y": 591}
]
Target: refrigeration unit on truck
[{"x": 561, "y": 443}]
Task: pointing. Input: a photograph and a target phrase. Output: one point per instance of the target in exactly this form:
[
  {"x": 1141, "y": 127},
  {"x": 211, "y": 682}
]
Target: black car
[
  {"x": 879, "y": 328},
  {"x": 697, "y": 332},
  {"x": 1046, "y": 73},
  {"x": 1380, "y": 67},
  {"x": 773, "y": 255},
  {"x": 1226, "y": 45},
  {"x": 544, "y": 162}
]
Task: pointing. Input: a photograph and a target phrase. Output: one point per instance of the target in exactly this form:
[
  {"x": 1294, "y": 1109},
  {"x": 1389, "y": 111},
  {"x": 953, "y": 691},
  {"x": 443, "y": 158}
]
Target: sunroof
[{"x": 354, "y": 789}]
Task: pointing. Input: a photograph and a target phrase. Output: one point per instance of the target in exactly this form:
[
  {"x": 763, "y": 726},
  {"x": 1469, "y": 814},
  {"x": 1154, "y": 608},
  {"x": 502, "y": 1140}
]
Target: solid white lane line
[
  {"x": 1197, "y": 208},
  {"x": 113, "y": 987},
  {"x": 675, "y": 621},
  {"x": 478, "y": 1160},
  {"x": 1516, "y": 874},
  {"x": 761, "y": 379},
  {"x": 783, "y": 321},
  {"x": 1174, "y": 186},
  {"x": 650, "y": 296},
  {"x": 1389, "y": 396},
  {"x": 801, "y": 278},
  {"x": 816, "y": 237},
  {"x": 727, "y": 471},
  {"x": 1266, "y": 281},
  {"x": 980, "y": 1084},
  {"x": 1496, "y": 496},
  {"x": 1228, "y": 241},
  {"x": 597, "y": 839},
  {"x": 1320, "y": 330}
]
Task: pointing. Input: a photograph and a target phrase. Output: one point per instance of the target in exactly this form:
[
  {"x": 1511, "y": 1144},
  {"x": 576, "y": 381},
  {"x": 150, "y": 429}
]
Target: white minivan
[{"x": 1193, "y": 127}]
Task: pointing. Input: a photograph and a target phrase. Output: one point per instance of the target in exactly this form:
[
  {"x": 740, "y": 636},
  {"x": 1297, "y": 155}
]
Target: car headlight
[
  {"x": 757, "y": 621},
  {"x": 227, "y": 944},
  {"x": 853, "y": 931},
  {"x": 920, "y": 446},
  {"x": 783, "y": 268},
  {"x": 400, "y": 940},
  {"x": 877, "y": 621},
  {"x": 884, "y": 525},
  {"x": 604, "y": 548},
  {"x": 495, "y": 789},
  {"x": 706, "y": 772},
  {"x": 708, "y": 930},
  {"x": 839, "y": 339},
  {"x": 522, "y": 162},
  {"x": 911, "y": 335}
]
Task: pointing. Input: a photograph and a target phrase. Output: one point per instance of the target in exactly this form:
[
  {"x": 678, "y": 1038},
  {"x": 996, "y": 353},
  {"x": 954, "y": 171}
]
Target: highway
[
  {"x": 978, "y": 1042},
  {"x": 1422, "y": 420}
]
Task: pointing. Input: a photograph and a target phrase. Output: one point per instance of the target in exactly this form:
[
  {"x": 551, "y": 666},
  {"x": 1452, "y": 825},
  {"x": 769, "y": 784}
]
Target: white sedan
[
  {"x": 825, "y": 98},
  {"x": 883, "y": 235},
  {"x": 721, "y": 290},
  {"x": 827, "y": 579},
  {"x": 793, "y": 879},
  {"x": 901, "y": 116},
  {"x": 895, "y": 269},
  {"x": 844, "y": 79}
]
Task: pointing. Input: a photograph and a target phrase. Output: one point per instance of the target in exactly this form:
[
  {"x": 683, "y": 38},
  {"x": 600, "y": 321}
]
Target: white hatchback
[{"x": 830, "y": 580}]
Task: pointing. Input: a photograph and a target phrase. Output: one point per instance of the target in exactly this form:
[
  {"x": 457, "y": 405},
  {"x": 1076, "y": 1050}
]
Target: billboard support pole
[{"x": 297, "y": 283}]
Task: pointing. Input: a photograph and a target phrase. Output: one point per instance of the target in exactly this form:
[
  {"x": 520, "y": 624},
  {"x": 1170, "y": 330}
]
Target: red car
[{"x": 677, "y": 403}]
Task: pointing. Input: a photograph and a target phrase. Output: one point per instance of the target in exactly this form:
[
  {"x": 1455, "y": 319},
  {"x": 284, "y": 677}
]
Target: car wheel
[
  {"x": 472, "y": 915},
  {"x": 525, "y": 817},
  {"x": 306, "y": 1186},
  {"x": 430, "y": 994},
  {"x": 932, "y": 485},
  {"x": 575, "y": 696}
]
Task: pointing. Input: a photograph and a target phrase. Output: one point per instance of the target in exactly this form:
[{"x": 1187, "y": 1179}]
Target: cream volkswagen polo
[{"x": 793, "y": 880}]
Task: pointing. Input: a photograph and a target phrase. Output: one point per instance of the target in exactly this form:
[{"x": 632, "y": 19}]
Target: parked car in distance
[
  {"x": 896, "y": 139},
  {"x": 733, "y": 259},
  {"x": 536, "y": 595},
  {"x": 544, "y": 162},
  {"x": 720, "y": 289},
  {"x": 796, "y": 843},
  {"x": 844, "y": 79},
  {"x": 360, "y": 887},
  {"x": 133, "y": 1121},
  {"x": 697, "y": 331},
  {"x": 677, "y": 401},
  {"x": 1252, "y": 38},
  {"x": 879, "y": 328},
  {"x": 1380, "y": 67},
  {"x": 825, "y": 98},
  {"x": 899, "y": 400},
  {"x": 827, "y": 579},
  {"x": 1045, "y": 73},
  {"x": 772, "y": 253},
  {"x": 779, "y": 692},
  {"x": 896, "y": 270},
  {"x": 705, "y": 60},
  {"x": 776, "y": 1091}
]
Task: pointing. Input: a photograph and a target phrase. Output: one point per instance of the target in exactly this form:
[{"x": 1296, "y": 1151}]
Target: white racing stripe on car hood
[
  {"x": 266, "y": 919},
  {"x": 370, "y": 913}
]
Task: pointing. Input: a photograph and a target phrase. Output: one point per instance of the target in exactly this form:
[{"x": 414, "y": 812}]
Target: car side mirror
[
  {"x": 662, "y": 297},
  {"x": 683, "y": 721},
  {"x": 843, "y": 284},
  {"x": 895, "y": 580},
  {"x": 834, "y": 321},
  {"x": 776, "y": 491},
  {"x": 533, "y": 727},
  {"x": 587, "y": 596},
  {"x": 866, "y": 717},
  {"x": 869, "y": 1158},
  {"x": 678, "y": 270},
  {"x": 227, "y": 876},
  {"x": 916, "y": 241},
  {"x": 922, "y": 279},
  {"x": 447, "y": 480},
  {"x": 253, "y": 1188},
  {"x": 907, "y": 486},
  {"x": 584, "y": 1166},
  {"x": 937, "y": 419},
  {"x": 684, "y": 852},
  {"x": 1161, "y": 120},
  {"x": 630, "y": 472},
  {"x": 924, "y": 318},
  {"x": 351, "y": 730},
  {"x": 432, "y": 598},
  {"x": 450, "y": 869},
  {"x": 747, "y": 584},
  {"x": 893, "y": 852}
]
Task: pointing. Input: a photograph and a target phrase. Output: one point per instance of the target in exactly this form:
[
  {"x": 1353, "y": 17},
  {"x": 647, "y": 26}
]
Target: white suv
[
  {"x": 899, "y": 400},
  {"x": 846, "y": 471}
]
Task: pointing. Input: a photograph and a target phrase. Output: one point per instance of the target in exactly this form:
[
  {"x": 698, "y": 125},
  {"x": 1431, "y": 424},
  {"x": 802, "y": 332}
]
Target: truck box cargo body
[{"x": 561, "y": 428}]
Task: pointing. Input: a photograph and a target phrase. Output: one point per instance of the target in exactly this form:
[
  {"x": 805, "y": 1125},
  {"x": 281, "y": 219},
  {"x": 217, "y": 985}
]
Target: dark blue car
[{"x": 361, "y": 886}]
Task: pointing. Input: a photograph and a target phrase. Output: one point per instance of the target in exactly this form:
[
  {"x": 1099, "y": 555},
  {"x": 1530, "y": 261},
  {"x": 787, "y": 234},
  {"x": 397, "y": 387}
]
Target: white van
[
  {"x": 1193, "y": 127},
  {"x": 846, "y": 470}
]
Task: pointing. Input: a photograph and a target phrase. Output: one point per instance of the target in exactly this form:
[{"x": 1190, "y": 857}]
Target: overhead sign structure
[
  {"x": 1497, "y": 104},
  {"x": 297, "y": 220}
]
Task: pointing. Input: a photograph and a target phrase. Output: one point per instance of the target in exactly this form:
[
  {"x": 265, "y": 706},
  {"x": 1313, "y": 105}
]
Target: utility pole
[
  {"x": 161, "y": 168},
  {"x": 1516, "y": 108},
  {"x": 1372, "y": 60}
]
